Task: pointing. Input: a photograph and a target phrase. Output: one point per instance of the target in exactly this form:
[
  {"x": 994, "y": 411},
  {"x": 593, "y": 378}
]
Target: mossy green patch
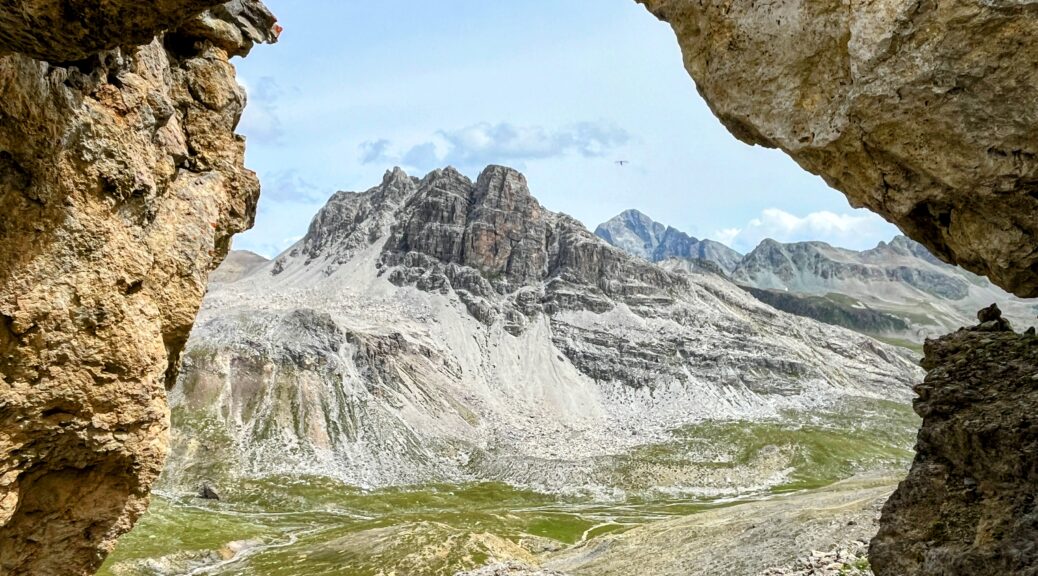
[
  {"x": 806, "y": 450},
  {"x": 175, "y": 527},
  {"x": 913, "y": 346}
]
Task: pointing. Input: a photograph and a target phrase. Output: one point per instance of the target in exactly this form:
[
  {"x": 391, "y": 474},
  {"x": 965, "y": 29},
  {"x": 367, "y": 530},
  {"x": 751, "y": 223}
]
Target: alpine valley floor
[
  {"x": 839, "y": 468},
  {"x": 442, "y": 376}
]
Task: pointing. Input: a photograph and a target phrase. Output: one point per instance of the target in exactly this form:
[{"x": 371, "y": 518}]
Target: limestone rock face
[
  {"x": 76, "y": 29},
  {"x": 922, "y": 112},
  {"x": 121, "y": 183},
  {"x": 446, "y": 329},
  {"x": 968, "y": 504},
  {"x": 636, "y": 233}
]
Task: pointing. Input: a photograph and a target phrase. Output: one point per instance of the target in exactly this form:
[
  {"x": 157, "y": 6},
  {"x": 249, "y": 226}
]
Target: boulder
[
  {"x": 924, "y": 112},
  {"x": 968, "y": 504}
]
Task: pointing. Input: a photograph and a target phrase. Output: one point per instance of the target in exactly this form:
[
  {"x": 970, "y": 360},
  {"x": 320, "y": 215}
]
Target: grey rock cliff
[{"x": 447, "y": 329}]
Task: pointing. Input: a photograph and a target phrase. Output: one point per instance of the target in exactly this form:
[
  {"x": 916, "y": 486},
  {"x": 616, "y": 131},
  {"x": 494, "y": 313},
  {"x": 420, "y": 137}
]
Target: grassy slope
[{"x": 316, "y": 526}]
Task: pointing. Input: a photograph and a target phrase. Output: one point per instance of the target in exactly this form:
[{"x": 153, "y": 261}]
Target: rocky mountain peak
[
  {"x": 493, "y": 225},
  {"x": 481, "y": 239},
  {"x": 637, "y": 234},
  {"x": 350, "y": 220},
  {"x": 396, "y": 179},
  {"x": 768, "y": 244},
  {"x": 817, "y": 267},
  {"x": 633, "y": 232},
  {"x": 904, "y": 245},
  {"x": 465, "y": 316},
  {"x": 504, "y": 179}
]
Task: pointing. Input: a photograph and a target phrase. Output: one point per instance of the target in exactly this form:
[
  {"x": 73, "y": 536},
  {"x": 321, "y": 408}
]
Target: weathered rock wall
[
  {"x": 925, "y": 112},
  {"x": 970, "y": 502},
  {"x": 74, "y": 29},
  {"x": 121, "y": 183}
]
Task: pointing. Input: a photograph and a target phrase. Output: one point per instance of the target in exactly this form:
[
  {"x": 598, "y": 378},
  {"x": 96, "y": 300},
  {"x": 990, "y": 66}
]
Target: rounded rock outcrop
[{"x": 924, "y": 112}]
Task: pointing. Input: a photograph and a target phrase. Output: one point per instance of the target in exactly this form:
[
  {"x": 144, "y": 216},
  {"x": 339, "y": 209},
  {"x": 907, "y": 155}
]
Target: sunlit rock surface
[
  {"x": 121, "y": 183},
  {"x": 923, "y": 112}
]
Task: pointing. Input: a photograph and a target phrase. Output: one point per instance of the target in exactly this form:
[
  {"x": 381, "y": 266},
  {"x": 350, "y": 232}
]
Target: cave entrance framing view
[{"x": 445, "y": 376}]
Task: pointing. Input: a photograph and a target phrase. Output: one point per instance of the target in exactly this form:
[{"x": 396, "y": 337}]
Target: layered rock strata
[
  {"x": 920, "y": 111},
  {"x": 968, "y": 505},
  {"x": 445, "y": 329},
  {"x": 121, "y": 183}
]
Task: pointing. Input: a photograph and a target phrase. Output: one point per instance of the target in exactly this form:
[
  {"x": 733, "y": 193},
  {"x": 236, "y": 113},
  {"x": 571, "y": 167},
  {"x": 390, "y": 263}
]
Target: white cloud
[
  {"x": 727, "y": 235},
  {"x": 288, "y": 186},
  {"x": 475, "y": 146},
  {"x": 423, "y": 156},
  {"x": 374, "y": 151},
  {"x": 856, "y": 230},
  {"x": 482, "y": 144}
]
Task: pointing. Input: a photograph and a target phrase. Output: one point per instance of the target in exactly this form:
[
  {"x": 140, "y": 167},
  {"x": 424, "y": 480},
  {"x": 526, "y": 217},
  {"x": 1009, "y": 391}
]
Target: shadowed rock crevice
[
  {"x": 80, "y": 520},
  {"x": 77, "y": 29}
]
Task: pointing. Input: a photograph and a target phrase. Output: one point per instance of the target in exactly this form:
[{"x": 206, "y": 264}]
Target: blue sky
[{"x": 559, "y": 89}]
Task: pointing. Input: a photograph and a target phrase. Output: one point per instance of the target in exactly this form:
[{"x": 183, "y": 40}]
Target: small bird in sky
[{"x": 622, "y": 162}]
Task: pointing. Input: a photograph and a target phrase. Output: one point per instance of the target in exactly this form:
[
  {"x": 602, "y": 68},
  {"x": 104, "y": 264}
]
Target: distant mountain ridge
[
  {"x": 897, "y": 290},
  {"x": 900, "y": 279},
  {"x": 637, "y": 234}
]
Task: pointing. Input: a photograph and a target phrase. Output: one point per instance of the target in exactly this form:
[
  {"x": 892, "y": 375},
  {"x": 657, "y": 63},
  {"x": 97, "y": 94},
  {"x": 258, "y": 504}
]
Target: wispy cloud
[
  {"x": 857, "y": 230},
  {"x": 477, "y": 145},
  {"x": 261, "y": 121},
  {"x": 374, "y": 152},
  {"x": 287, "y": 186},
  {"x": 423, "y": 156}
]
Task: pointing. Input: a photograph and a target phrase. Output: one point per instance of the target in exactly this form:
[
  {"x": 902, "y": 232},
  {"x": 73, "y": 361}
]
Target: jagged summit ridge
[
  {"x": 897, "y": 289},
  {"x": 482, "y": 238},
  {"x": 350, "y": 219},
  {"x": 493, "y": 225},
  {"x": 449, "y": 329},
  {"x": 637, "y": 234},
  {"x": 899, "y": 279}
]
